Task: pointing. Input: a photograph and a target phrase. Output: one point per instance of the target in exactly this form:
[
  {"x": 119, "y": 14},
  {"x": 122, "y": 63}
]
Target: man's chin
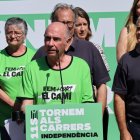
[{"x": 51, "y": 54}]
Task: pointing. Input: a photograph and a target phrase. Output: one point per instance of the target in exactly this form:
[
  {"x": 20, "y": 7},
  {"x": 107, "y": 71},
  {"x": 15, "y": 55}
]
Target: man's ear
[{"x": 68, "y": 40}]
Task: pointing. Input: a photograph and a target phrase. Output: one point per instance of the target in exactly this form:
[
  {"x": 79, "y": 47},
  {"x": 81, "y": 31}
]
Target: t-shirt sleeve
[
  {"x": 99, "y": 72},
  {"x": 120, "y": 83},
  {"x": 41, "y": 52},
  {"x": 87, "y": 90},
  {"x": 27, "y": 90},
  {"x": 101, "y": 50}
]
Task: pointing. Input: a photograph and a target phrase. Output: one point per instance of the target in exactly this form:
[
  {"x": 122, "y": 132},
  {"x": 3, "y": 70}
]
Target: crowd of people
[{"x": 68, "y": 58}]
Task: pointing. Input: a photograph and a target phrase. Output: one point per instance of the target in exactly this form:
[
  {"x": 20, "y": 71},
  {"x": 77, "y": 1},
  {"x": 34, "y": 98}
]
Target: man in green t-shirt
[{"x": 57, "y": 78}]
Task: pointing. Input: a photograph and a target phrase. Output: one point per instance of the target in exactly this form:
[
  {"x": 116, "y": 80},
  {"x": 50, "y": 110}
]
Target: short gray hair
[
  {"x": 62, "y": 6},
  {"x": 20, "y": 23}
]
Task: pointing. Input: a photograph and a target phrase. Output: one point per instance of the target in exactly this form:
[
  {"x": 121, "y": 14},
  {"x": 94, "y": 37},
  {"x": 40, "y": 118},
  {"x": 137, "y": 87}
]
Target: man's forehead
[
  {"x": 56, "y": 26},
  {"x": 61, "y": 14},
  {"x": 53, "y": 33}
]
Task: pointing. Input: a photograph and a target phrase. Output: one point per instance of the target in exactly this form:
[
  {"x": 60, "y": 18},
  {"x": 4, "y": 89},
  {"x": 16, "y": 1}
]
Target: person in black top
[
  {"x": 126, "y": 86},
  {"x": 83, "y": 31}
]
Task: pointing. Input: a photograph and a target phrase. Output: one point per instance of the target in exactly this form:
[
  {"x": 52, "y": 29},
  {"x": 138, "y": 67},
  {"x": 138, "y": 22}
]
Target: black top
[
  {"x": 127, "y": 82},
  {"x": 87, "y": 51}
]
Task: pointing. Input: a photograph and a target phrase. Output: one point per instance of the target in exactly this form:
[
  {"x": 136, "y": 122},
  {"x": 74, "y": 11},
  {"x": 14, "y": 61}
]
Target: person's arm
[
  {"x": 119, "y": 108},
  {"x": 100, "y": 77},
  {"x": 26, "y": 102},
  {"x": 121, "y": 47},
  {"x": 86, "y": 85},
  {"x": 26, "y": 93},
  {"x": 102, "y": 96},
  {"x": 5, "y": 98}
]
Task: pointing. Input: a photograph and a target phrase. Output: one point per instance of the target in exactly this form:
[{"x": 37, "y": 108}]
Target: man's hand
[{"x": 125, "y": 135}]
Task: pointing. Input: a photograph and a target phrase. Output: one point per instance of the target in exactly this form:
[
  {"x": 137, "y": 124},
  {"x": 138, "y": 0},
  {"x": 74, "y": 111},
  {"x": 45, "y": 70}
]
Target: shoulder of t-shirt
[
  {"x": 35, "y": 62},
  {"x": 78, "y": 59},
  {"x": 41, "y": 49},
  {"x": 88, "y": 44},
  {"x": 126, "y": 58}
]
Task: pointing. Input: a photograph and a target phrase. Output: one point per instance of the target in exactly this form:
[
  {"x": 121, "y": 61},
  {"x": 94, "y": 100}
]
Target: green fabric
[
  {"x": 11, "y": 70},
  {"x": 39, "y": 78}
]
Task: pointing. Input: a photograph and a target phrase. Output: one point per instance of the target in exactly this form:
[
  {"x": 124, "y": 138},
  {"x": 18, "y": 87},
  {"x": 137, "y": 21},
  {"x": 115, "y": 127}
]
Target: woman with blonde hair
[{"x": 127, "y": 39}]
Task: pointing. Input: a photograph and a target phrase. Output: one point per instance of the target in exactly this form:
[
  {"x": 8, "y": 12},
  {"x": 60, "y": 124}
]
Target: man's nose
[{"x": 51, "y": 42}]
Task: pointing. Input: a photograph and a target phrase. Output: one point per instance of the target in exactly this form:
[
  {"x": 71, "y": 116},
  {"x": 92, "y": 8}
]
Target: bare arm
[
  {"x": 5, "y": 98},
  {"x": 121, "y": 47},
  {"x": 119, "y": 107},
  {"x": 26, "y": 102},
  {"x": 102, "y": 95}
]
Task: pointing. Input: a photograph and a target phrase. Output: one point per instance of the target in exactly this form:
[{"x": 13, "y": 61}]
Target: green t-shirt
[
  {"x": 11, "y": 71},
  {"x": 43, "y": 84}
]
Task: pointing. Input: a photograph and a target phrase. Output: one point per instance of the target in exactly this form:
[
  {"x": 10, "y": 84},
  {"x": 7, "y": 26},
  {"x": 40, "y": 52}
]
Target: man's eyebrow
[{"x": 54, "y": 38}]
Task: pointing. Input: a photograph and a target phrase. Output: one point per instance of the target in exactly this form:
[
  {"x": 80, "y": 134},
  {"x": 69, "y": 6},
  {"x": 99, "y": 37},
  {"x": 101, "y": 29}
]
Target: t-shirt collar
[{"x": 138, "y": 48}]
